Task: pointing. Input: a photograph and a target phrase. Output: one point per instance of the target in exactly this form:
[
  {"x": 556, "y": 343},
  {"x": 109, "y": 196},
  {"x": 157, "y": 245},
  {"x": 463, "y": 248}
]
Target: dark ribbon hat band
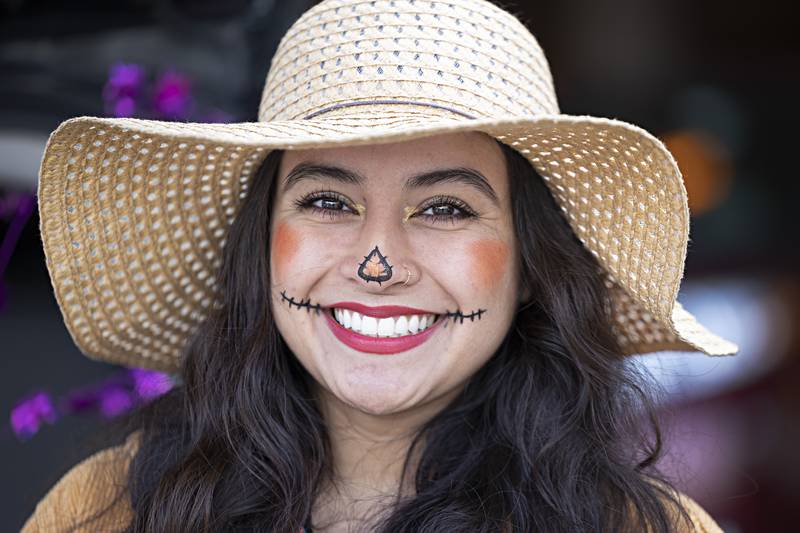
[{"x": 385, "y": 101}]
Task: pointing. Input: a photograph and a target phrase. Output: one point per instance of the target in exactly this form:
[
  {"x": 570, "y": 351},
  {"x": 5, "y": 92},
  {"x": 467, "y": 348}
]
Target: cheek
[
  {"x": 285, "y": 245},
  {"x": 489, "y": 262}
]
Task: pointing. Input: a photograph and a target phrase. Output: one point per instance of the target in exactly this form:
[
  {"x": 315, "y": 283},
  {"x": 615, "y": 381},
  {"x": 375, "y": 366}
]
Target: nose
[
  {"x": 381, "y": 260},
  {"x": 377, "y": 270},
  {"x": 375, "y": 267}
]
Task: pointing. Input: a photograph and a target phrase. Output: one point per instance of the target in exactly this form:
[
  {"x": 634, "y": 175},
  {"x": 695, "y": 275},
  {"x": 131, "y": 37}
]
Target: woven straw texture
[{"x": 134, "y": 212}]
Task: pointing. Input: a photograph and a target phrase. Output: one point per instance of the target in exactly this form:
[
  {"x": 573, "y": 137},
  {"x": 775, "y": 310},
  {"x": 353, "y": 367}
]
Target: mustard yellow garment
[
  {"x": 97, "y": 483},
  {"x": 94, "y": 492}
]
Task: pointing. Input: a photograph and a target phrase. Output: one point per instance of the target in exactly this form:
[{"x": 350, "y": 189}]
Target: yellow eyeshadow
[{"x": 408, "y": 211}]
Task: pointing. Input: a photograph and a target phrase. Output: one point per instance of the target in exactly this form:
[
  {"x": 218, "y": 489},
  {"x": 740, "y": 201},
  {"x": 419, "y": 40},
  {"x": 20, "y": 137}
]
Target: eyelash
[
  {"x": 445, "y": 200},
  {"x": 306, "y": 201}
]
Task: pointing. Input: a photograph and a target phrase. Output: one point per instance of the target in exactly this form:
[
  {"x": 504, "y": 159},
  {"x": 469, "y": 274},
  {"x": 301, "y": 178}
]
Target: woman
[{"x": 401, "y": 301}]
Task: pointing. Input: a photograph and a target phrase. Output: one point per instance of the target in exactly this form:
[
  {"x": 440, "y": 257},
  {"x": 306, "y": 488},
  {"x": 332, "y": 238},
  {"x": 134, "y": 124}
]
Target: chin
[{"x": 377, "y": 397}]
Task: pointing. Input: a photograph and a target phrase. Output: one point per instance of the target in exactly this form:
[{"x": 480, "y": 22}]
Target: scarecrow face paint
[
  {"x": 375, "y": 267},
  {"x": 394, "y": 266}
]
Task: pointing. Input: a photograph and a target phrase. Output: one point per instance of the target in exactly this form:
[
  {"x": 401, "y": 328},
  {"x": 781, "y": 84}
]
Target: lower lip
[{"x": 379, "y": 345}]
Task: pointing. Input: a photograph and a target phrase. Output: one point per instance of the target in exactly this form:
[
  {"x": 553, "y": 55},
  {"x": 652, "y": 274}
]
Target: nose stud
[{"x": 375, "y": 267}]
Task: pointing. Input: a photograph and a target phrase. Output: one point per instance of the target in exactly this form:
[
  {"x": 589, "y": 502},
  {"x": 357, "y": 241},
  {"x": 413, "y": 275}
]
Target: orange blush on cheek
[
  {"x": 285, "y": 244},
  {"x": 489, "y": 261}
]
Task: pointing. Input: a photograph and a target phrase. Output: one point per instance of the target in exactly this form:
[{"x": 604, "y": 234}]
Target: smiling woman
[
  {"x": 421, "y": 316},
  {"x": 412, "y": 245}
]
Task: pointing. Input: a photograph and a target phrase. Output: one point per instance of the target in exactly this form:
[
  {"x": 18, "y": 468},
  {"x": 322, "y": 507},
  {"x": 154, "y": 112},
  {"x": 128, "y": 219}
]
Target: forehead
[{"x": 397, "y": 160}]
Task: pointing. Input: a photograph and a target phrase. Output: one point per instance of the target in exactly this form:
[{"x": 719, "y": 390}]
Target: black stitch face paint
[
  {"x": 459, "y": 317},
  {"x": 301, "y": 304},
  {"x": 375, "y": 267}
]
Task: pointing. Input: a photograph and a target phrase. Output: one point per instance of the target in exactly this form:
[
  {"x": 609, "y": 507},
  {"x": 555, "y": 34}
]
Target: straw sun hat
[{"x": 134, "y": 213}]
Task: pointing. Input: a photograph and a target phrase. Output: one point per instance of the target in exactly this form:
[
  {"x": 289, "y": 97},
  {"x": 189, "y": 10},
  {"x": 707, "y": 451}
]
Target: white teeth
[
  {"x": 401, "y": 326},
  {"x": 383, "y": 327},
  {"x": 369, "y": 325}
]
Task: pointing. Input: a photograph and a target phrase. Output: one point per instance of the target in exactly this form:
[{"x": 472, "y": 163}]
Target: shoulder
[
  {"x": 92, "y": 496},
  {"x": 701, "y": 520},
  {"x": 680, "y": 506}
]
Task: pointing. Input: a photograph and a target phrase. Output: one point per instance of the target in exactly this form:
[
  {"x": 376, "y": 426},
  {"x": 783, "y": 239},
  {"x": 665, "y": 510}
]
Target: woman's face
[{"x": 436, "y": 212}]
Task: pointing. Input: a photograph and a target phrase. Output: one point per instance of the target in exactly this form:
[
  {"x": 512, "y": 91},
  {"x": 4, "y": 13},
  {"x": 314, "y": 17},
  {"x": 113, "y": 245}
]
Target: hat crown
[{"x": 465, "y": 58}]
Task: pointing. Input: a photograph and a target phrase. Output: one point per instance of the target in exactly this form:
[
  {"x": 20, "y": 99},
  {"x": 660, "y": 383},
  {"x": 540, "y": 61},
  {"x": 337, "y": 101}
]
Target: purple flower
[
  {"x": 123, "y": 88},
  {"x": 114, "y": 400},
  {"x": 172, "y": 97},
  {"x": 124, "y": 107},
  {"x": 80, "y": 400},
  {"x": 149, "y": 384},
  {"x": 27, "y": 416},
  {"x": 123, "y": 80}
]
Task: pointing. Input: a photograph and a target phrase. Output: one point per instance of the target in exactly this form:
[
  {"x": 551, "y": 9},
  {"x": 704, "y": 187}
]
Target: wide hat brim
[{"x": 134, "y": 213}]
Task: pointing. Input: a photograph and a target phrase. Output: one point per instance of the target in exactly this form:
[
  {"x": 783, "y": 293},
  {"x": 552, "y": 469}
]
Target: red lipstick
[{"x": 379, "y": 345}]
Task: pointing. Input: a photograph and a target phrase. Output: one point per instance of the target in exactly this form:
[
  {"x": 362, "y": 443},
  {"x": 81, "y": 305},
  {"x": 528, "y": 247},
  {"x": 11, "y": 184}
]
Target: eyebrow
[{"x": 464, "y": 175}]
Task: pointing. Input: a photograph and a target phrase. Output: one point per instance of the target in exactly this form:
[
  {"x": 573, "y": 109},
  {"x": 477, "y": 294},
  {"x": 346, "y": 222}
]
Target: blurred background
[{"x": 717, "y": 81}]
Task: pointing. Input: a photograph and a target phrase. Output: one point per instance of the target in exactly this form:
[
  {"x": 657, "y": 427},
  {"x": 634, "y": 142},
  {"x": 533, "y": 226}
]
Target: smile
[
  {"x": 372, "y": 326},
  {"x": 381, "y": 335},
  {"x": 384, "y": 329}
]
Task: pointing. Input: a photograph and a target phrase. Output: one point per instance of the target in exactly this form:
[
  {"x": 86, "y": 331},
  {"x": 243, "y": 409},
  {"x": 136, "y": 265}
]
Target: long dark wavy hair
[{"x": 554, "y": 433}]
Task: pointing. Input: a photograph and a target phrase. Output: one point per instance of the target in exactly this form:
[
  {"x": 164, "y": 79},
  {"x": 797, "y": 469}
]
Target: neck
[{"x": 368, "y": 452}]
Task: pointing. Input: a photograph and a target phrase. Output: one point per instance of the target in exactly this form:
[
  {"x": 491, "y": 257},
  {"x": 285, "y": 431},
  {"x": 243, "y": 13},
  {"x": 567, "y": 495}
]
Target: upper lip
[{"x": 381, "y": 311}]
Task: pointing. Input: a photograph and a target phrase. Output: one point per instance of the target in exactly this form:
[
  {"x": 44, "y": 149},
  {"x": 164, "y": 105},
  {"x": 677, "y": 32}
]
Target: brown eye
[
  {"x": 328, "y": 203},
  {"x": 445, "y": 209},
  {"x": 325, "y": 203}
]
